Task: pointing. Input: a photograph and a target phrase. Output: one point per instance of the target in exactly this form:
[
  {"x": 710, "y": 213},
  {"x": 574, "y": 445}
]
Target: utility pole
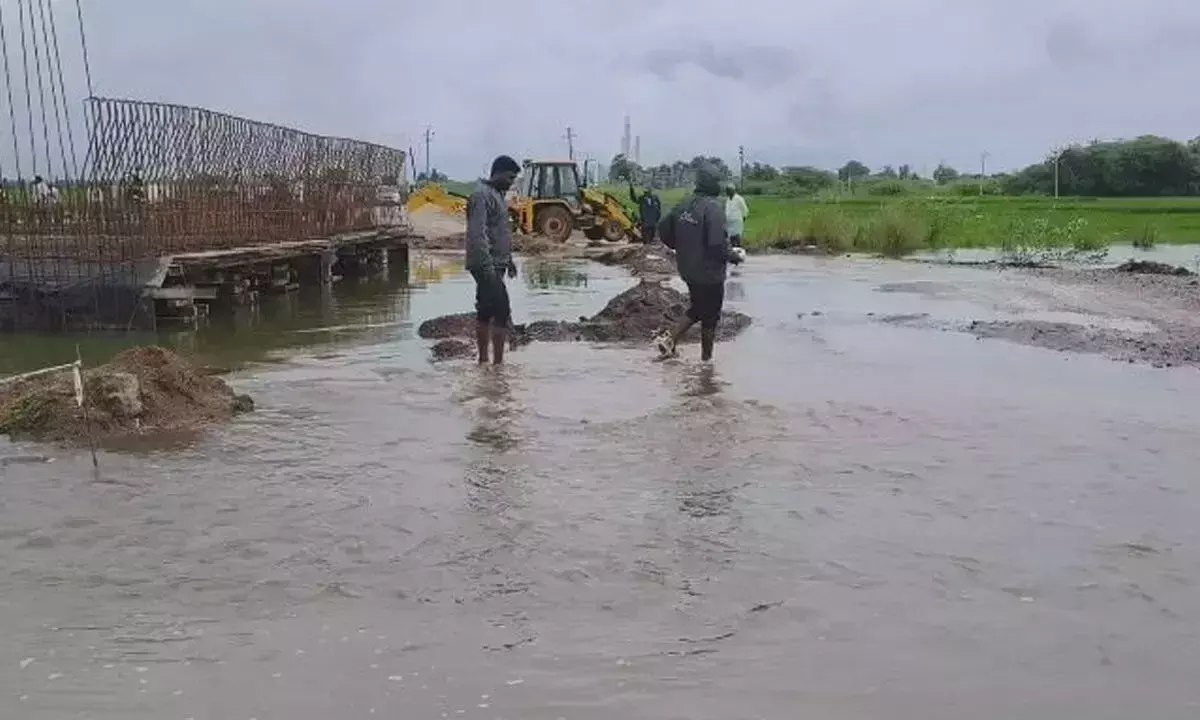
[
  {"x": 1058, "y": 153},
  {"x": 741, "y": 167},
  {"x": 570, "y": 136},
  {"x": 983, "y": 156},
  {"x": 428, "y": 141}
]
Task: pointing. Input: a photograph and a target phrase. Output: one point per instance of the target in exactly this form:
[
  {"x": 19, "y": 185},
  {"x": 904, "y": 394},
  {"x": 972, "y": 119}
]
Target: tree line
[{"x": 1145, "y": 166}]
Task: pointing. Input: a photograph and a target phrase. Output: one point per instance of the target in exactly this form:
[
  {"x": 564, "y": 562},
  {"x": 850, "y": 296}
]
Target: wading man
[
  {"x": 695, "y": 229},
  {"x": 489, "y": 257},
  {"x": 649, "y": 211},
  {"x": 736, "y": 211}
]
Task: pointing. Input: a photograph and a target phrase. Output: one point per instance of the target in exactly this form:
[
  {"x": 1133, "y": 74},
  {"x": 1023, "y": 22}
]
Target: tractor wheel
[
  {"x": 555, "y": 223},
  {"x": 595, "y": 232},
  {"x": 613, "y": 232}
]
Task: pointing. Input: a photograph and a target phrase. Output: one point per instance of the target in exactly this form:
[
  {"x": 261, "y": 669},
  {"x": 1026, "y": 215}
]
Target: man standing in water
[
  {"x": 649, "y": 210},
  {"x": 736, "y": 211},
  {"x": 695, "y": 229},
  {"x": 489, "y": 257}
]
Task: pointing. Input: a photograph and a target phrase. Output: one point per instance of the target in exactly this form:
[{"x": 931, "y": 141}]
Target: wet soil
[{"x": 143, "y": 391}]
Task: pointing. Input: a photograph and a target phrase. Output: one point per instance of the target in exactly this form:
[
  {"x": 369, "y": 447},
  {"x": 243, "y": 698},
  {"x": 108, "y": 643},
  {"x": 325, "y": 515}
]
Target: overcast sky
[{"x": 794, "y": 81}]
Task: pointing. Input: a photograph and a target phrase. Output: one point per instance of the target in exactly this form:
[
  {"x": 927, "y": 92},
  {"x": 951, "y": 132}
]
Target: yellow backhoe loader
[
  {"x": 551, "y": 200},
  {"x": 437, "y": 196}
]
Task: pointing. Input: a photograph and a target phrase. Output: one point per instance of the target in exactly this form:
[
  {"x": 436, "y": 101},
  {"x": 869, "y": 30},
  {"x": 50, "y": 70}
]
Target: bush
[
  {"x": 1146, "y": 238},
  {"x": 830, "y": 230},
  {"x": 887, "y": 188},
  {"x": 896, "y": 232}
]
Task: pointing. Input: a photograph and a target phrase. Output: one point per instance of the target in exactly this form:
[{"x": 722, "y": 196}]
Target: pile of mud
[
  {"x": 142, "y": 391},
  {"x": 1150, "y": 267},
  {"x": 634, "y": 316}
]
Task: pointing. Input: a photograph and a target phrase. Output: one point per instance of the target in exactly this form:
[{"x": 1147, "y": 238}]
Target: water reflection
[
  {"x": 547, "y": 274},
  {"x": 371, "y": 309}
]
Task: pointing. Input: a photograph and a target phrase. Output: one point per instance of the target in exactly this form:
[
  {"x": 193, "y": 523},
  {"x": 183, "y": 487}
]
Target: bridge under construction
[{"x": 131, "y": 213}]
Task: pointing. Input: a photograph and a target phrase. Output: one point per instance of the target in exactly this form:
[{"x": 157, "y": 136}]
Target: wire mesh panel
[
  {"x": 161, "y": 180},
  {"x": 90, "y": 201}
]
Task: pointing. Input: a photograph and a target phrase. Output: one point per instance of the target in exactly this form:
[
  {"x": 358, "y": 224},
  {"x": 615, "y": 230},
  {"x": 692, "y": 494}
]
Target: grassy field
[{"x": 1024, "y": 227}]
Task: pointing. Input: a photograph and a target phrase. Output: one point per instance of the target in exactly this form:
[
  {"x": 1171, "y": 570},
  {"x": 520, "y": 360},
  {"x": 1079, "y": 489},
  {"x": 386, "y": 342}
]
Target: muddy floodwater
[{"x": 843, "y": 518}]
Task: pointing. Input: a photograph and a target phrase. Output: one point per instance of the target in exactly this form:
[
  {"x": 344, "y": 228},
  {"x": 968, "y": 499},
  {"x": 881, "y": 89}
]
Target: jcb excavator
[
  {"x": 438, "y": 196},
  {"x": 549, "y": 200}
]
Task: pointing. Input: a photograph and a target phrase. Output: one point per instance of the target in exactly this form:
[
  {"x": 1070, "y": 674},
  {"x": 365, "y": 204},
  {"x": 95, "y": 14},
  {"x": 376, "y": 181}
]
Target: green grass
[
  {"x": 1018, "y": 226},
  {"x": 930, "y": 217}
]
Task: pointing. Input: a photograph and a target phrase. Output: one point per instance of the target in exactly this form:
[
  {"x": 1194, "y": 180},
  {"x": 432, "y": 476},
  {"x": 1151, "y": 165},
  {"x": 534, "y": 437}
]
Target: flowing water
[{"x": 842, "y": 518}]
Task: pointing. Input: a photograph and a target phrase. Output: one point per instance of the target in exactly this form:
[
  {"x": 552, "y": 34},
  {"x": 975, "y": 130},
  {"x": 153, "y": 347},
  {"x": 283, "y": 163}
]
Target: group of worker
[{"x": 704, "y": 231}]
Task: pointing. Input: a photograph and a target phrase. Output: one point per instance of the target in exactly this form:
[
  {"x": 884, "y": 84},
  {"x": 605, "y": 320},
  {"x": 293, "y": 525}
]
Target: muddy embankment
[
  {"x": 633, "y": 316},
  {"x": 1144, "y": 312},
  {"x": 143, "y": 391}
]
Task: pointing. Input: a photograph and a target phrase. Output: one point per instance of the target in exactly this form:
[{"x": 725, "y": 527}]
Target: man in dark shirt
[
  {"x": 649, "y": 211},
  {"x": 695, "y": 229},
  {"x": 489, "y": 257}
]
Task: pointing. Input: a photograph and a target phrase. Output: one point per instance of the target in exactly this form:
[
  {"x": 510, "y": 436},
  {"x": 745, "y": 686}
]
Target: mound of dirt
[
  {"x": 1150, "y": 267},
  {"x": 458, "y": 325},
  {"x": 143, "y": 390},
  {"x": 635, "y": 315}
]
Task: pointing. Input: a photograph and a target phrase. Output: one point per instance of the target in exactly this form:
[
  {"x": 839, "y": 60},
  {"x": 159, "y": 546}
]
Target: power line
[{"x": 570, "y": 137}]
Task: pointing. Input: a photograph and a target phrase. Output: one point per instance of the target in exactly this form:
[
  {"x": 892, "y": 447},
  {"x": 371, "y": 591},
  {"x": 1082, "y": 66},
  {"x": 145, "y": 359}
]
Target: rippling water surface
[{"x": 841, "y": 519}]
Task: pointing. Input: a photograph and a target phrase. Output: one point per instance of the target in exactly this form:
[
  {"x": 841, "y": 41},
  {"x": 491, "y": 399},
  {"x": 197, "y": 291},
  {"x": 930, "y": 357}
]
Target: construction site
[{"x": 125, "y": 214}]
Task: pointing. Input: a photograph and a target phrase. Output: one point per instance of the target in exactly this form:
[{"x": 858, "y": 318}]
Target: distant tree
[
  {"x": 761, "y": 172},
  {"x": 1146, "y": 166},
  {"x": 807, "y": 180},
  {"x": 853, "y": 170},
  {"x": 943, "y": 174},
  {"x": 906, "y": 172},
  {"x": 622, "y": 169},
  {"x": 888, "y": 172},
  {"x": 433, "y": 176}
]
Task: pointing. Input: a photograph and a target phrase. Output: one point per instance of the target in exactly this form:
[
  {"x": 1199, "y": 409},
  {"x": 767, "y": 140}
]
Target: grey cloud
[
  {"x": 757, "y": 65},
  {"x": 794, "y": 82}
]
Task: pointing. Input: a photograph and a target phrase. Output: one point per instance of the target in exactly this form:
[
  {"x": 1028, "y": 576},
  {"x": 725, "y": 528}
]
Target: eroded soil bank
[{"x": 145, "y": 390}]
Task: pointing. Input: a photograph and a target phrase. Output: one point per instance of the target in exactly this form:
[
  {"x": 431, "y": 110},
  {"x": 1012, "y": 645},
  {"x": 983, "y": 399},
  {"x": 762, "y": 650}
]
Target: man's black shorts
[
  {"x": 735, "y": 240},
  {"x": 491, "y": 298},
  {"x": 706, "y": 301},
  {"x": 649, "y": 232}
]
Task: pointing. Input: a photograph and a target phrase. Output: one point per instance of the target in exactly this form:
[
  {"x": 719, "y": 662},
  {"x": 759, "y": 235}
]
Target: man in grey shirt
[
  {"x": 695, "y": 230},
  {"x": 489, "y": 257}
]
